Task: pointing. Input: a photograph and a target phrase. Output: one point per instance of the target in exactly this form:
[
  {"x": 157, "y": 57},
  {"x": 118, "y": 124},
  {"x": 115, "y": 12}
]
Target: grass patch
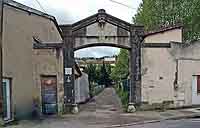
[{"x": 123, "y": 95}]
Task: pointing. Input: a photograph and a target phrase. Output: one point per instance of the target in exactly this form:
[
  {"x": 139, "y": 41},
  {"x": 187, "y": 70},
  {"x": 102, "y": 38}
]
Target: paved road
[
  {"x": 105, "y": 110},
  {"x": 184, "y": 123}
]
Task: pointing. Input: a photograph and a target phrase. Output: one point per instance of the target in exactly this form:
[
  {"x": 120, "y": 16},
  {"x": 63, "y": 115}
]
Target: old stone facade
[
  {"x": 22, "y": 64},
  {"x": 49, "y": 62},
  {"x": 169, "y": 74}
]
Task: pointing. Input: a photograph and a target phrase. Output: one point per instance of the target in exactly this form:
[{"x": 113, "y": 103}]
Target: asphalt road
[{"x": 184, "y": 123}]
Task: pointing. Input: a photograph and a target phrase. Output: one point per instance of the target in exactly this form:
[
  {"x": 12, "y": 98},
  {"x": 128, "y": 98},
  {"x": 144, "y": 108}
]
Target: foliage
[
  {"x": 123, "y": 95},
  {"x": 104, "y": 76},
  {"x": 98, "y": 74},
  {"x": 152, "y": 13},
  {"x": 121, "y": 69},
  {"x": 91, "y": 71}
]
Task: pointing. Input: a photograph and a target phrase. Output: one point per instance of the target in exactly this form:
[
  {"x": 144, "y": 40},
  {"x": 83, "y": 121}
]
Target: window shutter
[{"x": 198, "y": 84}]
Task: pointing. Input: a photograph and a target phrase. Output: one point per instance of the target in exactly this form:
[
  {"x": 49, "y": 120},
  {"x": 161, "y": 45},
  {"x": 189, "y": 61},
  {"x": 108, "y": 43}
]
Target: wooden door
[{"x": 49, "y": 94}]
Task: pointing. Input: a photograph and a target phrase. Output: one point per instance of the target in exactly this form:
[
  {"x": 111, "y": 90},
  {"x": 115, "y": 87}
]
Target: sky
[{"x": 70, "y": 11}]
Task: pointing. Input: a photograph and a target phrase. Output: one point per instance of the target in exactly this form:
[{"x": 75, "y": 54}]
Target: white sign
[{"x": 68, "y": 71}]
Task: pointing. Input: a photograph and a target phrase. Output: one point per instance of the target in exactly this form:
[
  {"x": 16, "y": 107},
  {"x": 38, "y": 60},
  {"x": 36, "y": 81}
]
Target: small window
[{"x": 198, "y": 84}]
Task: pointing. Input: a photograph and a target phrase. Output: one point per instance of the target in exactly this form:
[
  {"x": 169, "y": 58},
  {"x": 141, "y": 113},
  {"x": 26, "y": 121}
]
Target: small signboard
[{"x": 68, "y": 71}]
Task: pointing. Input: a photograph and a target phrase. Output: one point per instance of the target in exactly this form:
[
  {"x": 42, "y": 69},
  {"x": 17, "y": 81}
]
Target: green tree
[
  {"x": 121, "y": 69},
  {"x": 91, "y": 71},
  {"x": 104, "y": 76},
  {"x": 156, "y": 13}
]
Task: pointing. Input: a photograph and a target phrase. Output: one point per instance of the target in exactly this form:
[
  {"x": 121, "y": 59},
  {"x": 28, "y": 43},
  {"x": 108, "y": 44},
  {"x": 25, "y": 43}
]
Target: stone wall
[
  {"x": 49, "y": 62},
  {"x": 158, "y": 75},
  {"x": 106, "y": 36},
  {"x": 188, "y": 60},
  {"x": 19, "y": 27},
  {"x": 158, "y": 68},
  {"x": 167, "y": 73}
]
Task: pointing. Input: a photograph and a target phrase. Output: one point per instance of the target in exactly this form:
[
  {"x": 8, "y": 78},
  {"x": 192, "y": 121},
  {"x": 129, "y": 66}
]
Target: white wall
[
  {"x": 159, "y": 67},
  {"x": 82, "y": 88}
]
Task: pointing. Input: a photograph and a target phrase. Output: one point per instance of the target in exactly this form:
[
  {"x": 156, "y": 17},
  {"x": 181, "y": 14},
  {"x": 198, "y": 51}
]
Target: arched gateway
[{"x": 101, "y": 29}]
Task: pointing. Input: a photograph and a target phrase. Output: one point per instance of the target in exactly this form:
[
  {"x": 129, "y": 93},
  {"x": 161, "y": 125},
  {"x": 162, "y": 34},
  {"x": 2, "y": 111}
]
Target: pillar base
[
  {"x": 75, "y": 109},
  {"x": 131, "y": 108}
]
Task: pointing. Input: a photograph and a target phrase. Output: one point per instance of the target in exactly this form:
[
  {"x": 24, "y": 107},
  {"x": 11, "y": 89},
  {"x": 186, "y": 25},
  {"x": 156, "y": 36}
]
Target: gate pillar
[
  {"x": 69, "y": 77},
  {"x": 136, "y": 36}
]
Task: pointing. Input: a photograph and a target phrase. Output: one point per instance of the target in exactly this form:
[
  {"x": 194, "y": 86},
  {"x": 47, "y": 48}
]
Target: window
[{"x": 198, "y": 84}]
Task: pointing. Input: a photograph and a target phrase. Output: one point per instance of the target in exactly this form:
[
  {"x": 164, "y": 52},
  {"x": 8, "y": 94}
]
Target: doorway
[
  {"x": 6, "y": 99},
  {"x": 196, "y": 90},
  {"x": 49, "y": 95}
]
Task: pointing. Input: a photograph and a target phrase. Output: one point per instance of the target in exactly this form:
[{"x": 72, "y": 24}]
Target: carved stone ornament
[{"x": 101, "y": 18}]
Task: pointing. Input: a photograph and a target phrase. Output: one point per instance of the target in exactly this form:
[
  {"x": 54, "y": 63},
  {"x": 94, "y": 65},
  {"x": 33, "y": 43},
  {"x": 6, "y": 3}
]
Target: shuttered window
[{"x": 198, "y": 84}]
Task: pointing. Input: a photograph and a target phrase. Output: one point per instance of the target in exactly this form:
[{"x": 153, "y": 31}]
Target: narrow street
[
  {"x": 106, "y": 110},
  {"x": 103, "y": 109}
]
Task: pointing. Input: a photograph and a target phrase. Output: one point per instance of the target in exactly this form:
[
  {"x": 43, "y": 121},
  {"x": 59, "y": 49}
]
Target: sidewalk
[{"x": 156, "y": 116}]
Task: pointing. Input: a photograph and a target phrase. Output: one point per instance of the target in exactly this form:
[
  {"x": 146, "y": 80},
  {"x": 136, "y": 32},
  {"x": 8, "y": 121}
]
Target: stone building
[
  {"x": 32, "y": 78},
  {"x": 170, "y": 76},
  {"x": 28, "y": 72}
]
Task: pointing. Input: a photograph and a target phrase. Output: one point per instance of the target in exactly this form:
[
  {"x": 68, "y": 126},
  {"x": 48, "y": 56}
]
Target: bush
[{"x": 123, "y": 95}]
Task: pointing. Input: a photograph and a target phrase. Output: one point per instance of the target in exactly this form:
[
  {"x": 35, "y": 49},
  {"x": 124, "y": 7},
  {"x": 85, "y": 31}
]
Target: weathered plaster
[
  {"x": 47, "y": 63},
  {"x": 167, "y": 73},
  {"x": 158, "y": 75},
  {"x": 159, "y": 68},
  {"x": 18, "y": 56}
]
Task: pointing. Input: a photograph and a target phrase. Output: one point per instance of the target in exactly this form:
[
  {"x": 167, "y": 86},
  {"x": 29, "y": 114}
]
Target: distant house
[{"x": 105, "y": 60}]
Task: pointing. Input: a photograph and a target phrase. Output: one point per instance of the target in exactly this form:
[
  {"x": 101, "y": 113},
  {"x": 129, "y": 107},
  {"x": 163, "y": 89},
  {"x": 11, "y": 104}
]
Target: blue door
[{"x": 49, "y": 95}]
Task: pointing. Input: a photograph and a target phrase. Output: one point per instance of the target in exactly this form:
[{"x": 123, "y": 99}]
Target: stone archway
[{"x": 102, "y": 29}]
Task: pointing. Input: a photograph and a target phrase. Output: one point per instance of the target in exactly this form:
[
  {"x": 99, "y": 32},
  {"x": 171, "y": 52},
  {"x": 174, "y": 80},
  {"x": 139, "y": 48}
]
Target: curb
[{"x": 154, "y": 121}]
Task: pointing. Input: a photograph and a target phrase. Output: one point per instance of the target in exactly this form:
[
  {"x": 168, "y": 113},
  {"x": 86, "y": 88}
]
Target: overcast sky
[{"x": 70, "y": 11}]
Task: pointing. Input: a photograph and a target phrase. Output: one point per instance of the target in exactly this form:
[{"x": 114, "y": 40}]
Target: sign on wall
[{"x": 68, "y": 71}]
